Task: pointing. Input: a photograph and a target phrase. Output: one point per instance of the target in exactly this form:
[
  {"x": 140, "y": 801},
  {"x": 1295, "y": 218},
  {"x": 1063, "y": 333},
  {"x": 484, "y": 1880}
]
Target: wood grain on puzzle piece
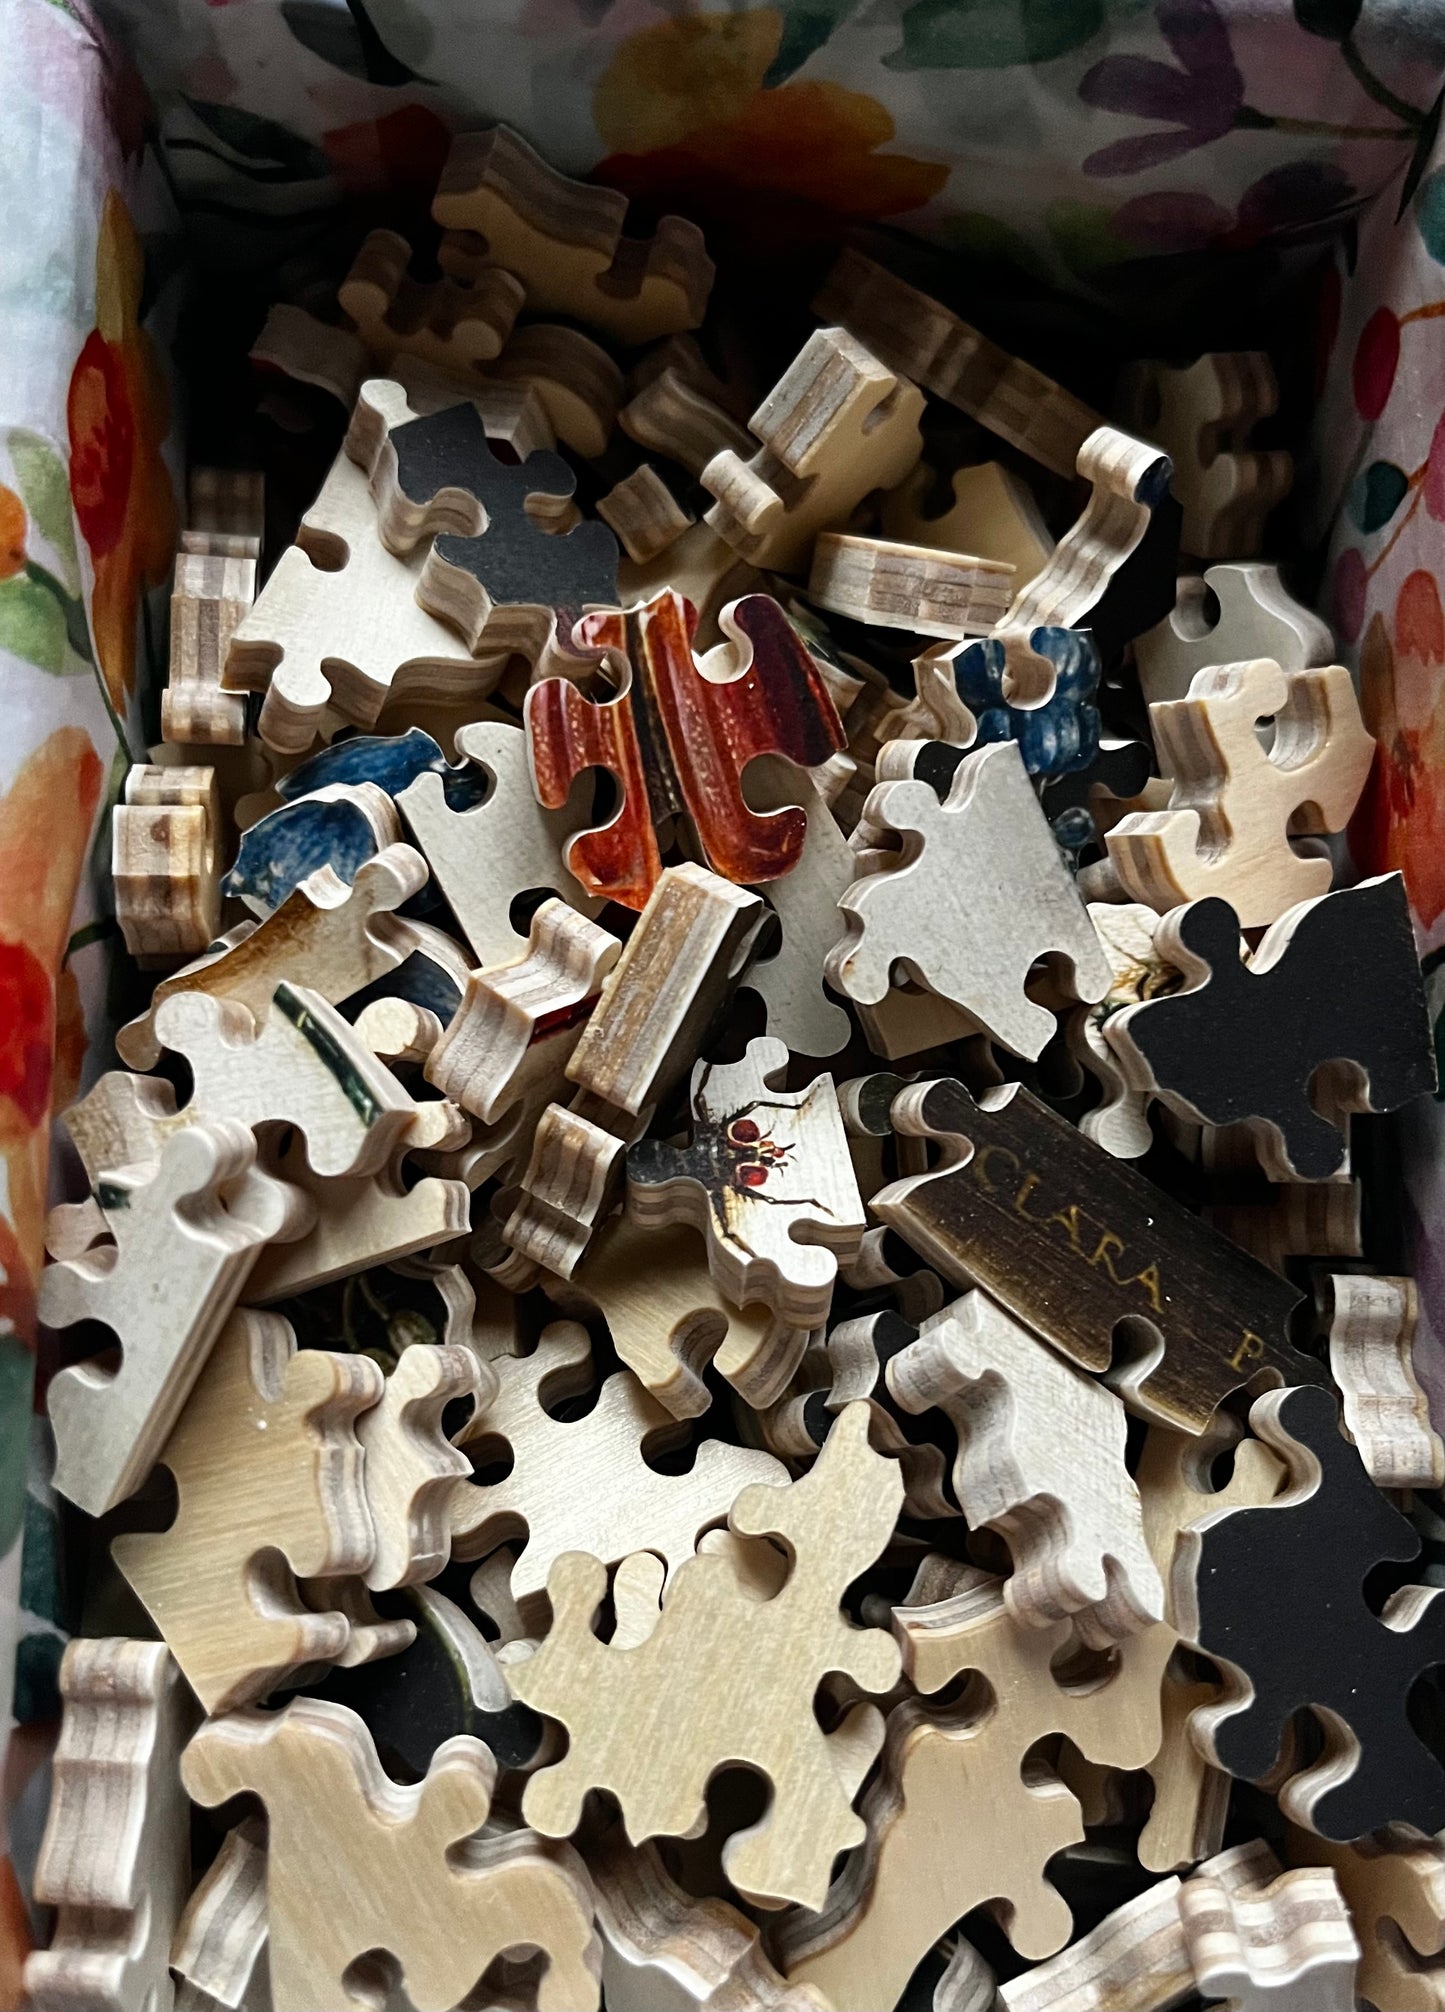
[
  {"x": 338, "y": 624},
  {"x": 342, "y": 938},
  {"x": 668, "y": 1318},
  {"x": 679, "y": 738},
  {"x": 587, "y": 1485},
  {"x": 1041, "y": 1460},
  {"x": 727, "y": 1677},
  {"x": 500, "y": 203},
  {"x": 664, "y": 1950},
  {"x": 518, "y": 1023},
  {"x": 115, "y": 1856},
  {"x": 1387, "y": 1414},
  {"x": 790, "y": 981},
  {"x": 185, "y": 1231},
  {"x": 440, "y": 321},
  {"x": 1235, "y": 806},
  {"x": 880, "y": 582},
  {"x": 950, "y": 905},
  {"x": 1316, "y": 1642},
  {"x": 356, "y": 1863},
  {"x": 1113, "y": 570},
  {"x": 164, "y": 843},
  {"x": 767, "y": 1177},
  {"x": 1327, "y": 1017},
  {"x": 267, "y": 1468},
  {"x": 837, "y": 424},
  {"x": 210, "y": 598},
  {"x": 991, "y": 512},
  {"x": 1257, "y": 617},
  {"x": 689, "y": 949},
  {"x": 644, "y": 513},
  {"x": 671, "y": 416},
  {"x": 921, "y": 1870},
  {"x": 1395, "y": 1891},
  {"x": 914, "y": 334},
  {"x": 1288, "y": 1947},
  {"x": 483, "y": 858},
  {"x": 1072, "y": 1242},
  {"x": 1203, "y": 416},
  {"x": 218, "y": 1952}
]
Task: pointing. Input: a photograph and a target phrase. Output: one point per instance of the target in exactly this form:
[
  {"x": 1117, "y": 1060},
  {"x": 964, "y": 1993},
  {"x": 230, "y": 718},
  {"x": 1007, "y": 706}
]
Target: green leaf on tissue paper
[
  {"x": 992, "y": 34},
  {"x": 32, "y": 624},
  {"x": 44, "y": 486}
]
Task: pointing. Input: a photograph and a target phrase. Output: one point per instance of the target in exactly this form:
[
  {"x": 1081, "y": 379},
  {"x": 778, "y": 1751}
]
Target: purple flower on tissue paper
[{"x": 1199, "y": 101}]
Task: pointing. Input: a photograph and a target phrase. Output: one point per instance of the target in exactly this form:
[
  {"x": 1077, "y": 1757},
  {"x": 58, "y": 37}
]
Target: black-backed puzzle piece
[
  {"x": 517, "y": 563},
  {"x": 1072, "y": 1242},
  {"x": 1142, "y": 591},
  {"x": 1341, "y": 982},
  {"x": 1121, "y": 768},
  {"x": 444, "y": 1684},
  {"x": 1280, "y": 1593}
]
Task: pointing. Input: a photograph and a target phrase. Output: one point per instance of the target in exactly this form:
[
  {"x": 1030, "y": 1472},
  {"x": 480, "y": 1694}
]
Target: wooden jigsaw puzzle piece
[
  {"x": 672, "y": 416},
  {"x": 644, "y": 513},
  {"x": 1203, "y": 416},
  {"x": 187, "y": 1229},
  {"x": 304, "y": 1067},
  {"x": 1072, "y": 1242},
  {"x": 951, "y": 866},
  {"x": 442, "y": 322},
  {"x": 991, "y": 512},
  {"x": 883, "y": 583},
  {"x": 1288, "y": 1947},
  {"x": 1041, "y": 1460},
  {"x": 1191, "y": 1797},
  {"x": 1314, "y": 1545},
  {"x": 411, "y": 1469},
  {"x": 268, "y": 1472},
  {"x": 767, "y": 1177},
  {"x": 790, "y": 980},
  {"x": 518, "y": 1023},
  {"x": 574, "y": 382},
  {"x": 667, "y": 1951},
  {"x": 668, "y": 1318},
  {"x": 398, "y": 1867},
  {"x": 1235, "y": 806},
  {"x": 1134, "y": 1961},
  {"x": 756, "y": 1661},
  {"x": 501, "y": 204},
  {"x": 1113, "y": 570},
  {"x": 483, "y": 858},
  {"x": 1395, "y": 1891},
  {"x": 220, "y": 1940},
  {"x": 1327, "y": 1017},
  {"x": 340, "y": 825},
  {"x": 837, "y": 424},
  {"x": 921, "y": 1870},
  {"x": 343, "y": 938},
  {"x": 210, "y": 597},
  {"x": 115, "y": 1857},
  {"x": 1054, "y": 738},
  {"x": 587, "y": 1486},
  {"x": 914, "y": 334},
  {"x": 1387, "y": 1414},
  {"x": 499, "y": 563},
  {"x": 338, "y": 624},
  {"x": 1256, "y": 617},
  {"x": 163, "y": 859}
]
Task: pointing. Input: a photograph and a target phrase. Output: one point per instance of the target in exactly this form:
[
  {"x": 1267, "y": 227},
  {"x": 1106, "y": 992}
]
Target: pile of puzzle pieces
[{"x": 721, "y": 1335}]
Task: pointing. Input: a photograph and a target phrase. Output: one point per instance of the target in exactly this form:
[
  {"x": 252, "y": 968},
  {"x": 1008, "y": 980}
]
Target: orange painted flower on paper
[
  {"x": 45, "y": 827},
  {"x": 683, "y": 109},
  {"x": 118, "y": 416},
  {"x": 1400, "y": 820},
  {"x": 12, "y": 533}
]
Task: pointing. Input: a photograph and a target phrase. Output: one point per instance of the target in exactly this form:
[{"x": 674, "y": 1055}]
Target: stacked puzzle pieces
[{"x": 720, "y": 1338}]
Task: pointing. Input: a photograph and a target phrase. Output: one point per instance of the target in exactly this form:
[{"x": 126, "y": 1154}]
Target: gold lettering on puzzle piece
[
  {"x": 1250, "y": 1349},
  {"x": 1070, "y": 1217}
]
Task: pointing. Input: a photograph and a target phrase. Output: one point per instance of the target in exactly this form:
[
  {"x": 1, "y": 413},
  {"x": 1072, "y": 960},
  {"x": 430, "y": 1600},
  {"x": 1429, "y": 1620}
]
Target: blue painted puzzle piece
[
  {"x": 1053, "y": 738},
  {"x": 392, "y": 763},
  {"x": 280, "y": 849}
]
